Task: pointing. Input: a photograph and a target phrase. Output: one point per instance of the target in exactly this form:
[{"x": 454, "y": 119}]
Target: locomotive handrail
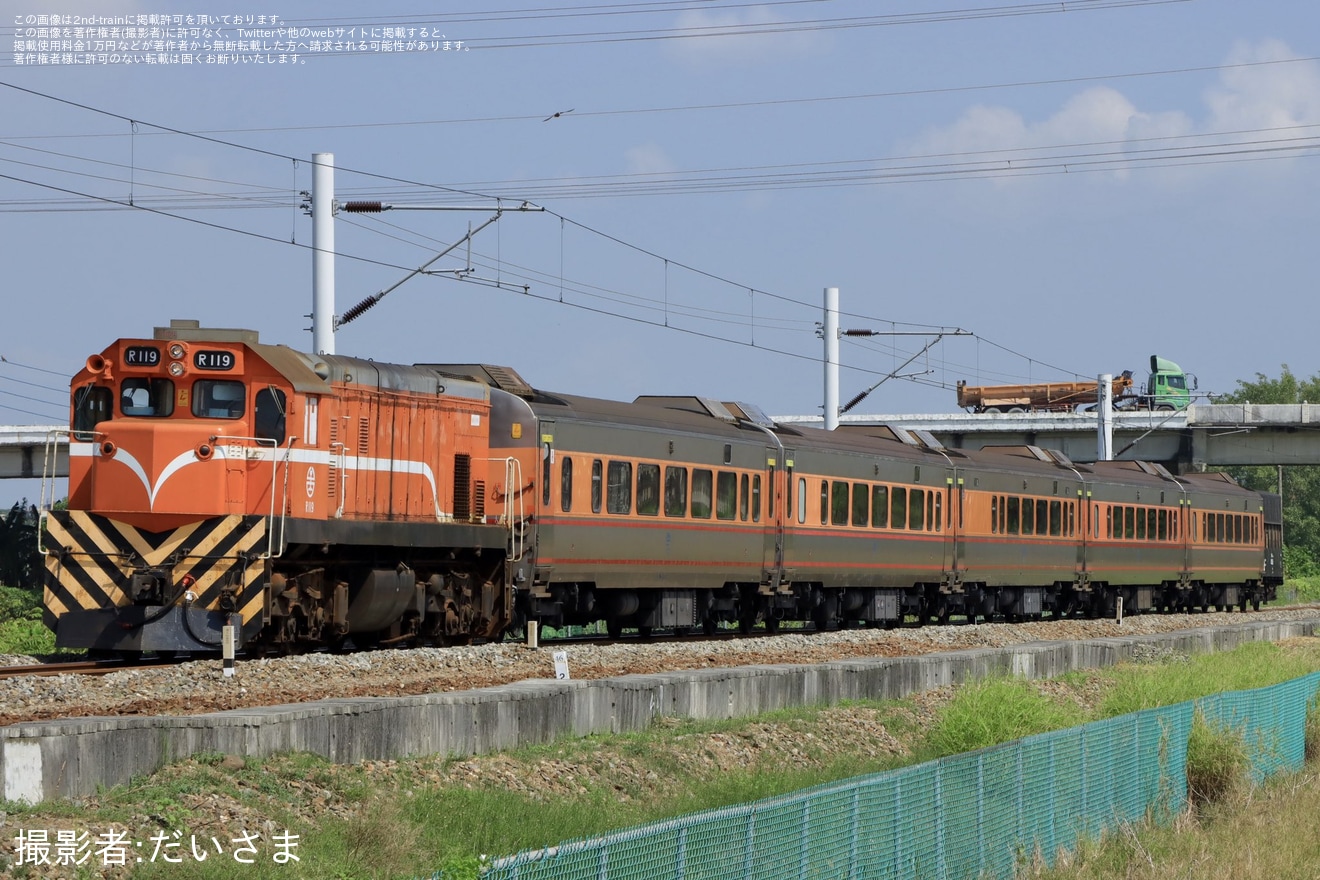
[
  {"x": 48, "y": 476},
  {"x": 513, "y": 476},
  {"x": 342, "y": 455},
  {"x": 274, "y": 469}
]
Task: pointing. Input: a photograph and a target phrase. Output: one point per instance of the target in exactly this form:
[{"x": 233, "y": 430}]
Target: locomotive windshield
[
  {"x": 149, "y": 398},
  {"x": 218, "y": 399}
]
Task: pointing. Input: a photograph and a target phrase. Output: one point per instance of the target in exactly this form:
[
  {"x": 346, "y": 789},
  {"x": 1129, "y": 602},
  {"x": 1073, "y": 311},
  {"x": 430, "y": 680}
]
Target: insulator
[
  {"x": 856, "y": 400},
  {"x": 860, "y": 333},
  {"x": 362, "y": 207},
  {"x": 357, "y": 310}
]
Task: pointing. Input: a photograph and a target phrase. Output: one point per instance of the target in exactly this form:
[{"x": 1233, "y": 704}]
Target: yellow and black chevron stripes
[{"x": 90, "y": 561}]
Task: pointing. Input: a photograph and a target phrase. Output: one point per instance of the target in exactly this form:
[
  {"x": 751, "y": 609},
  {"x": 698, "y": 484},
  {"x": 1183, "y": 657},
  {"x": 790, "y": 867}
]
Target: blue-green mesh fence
[{"x": 976, "y": 815}]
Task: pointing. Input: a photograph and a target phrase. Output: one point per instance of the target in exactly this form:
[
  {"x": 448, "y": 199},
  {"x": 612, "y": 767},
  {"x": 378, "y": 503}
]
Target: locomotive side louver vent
[
  {"x": 364, "y": 436},
  {"x": 332, "y": 476},
  {"x": 479, "y": 500},
  {"x": 462, "y": 486}
]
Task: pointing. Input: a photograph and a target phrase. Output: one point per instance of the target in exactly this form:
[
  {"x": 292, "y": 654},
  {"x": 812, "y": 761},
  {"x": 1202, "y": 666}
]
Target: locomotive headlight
[
  {"x": 176, "y": 368},
  {"x": 178, "y": 350}
]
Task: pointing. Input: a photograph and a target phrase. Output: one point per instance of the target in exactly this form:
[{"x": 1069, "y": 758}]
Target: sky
[{"x": 1073, "y": 186}]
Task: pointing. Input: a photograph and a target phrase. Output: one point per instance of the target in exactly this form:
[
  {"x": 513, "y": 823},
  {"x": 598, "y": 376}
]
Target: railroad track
[{"x": 78, "y": 667}]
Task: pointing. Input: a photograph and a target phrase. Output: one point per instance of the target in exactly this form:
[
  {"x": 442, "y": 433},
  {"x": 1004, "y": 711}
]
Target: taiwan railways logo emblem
[{"x": 311, "y": 482}]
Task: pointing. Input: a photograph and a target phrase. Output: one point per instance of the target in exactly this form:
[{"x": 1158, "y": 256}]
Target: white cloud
[
  {"x": 1265, "y": 96},
  {"x": 648, "y": 159},
  {"x": 1102, "y": 120},
  {"x": 751, "y": 35}
]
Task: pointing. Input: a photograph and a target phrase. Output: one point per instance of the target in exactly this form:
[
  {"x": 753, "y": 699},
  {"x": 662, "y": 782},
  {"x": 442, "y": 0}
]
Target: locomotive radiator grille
[{"x": 91, "y": 561}]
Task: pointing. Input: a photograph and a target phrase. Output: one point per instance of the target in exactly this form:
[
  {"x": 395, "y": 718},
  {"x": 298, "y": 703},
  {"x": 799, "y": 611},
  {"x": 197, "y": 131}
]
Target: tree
[
  {"x": 20, "y": 562},
  {"x": 1301, "y": 483}
]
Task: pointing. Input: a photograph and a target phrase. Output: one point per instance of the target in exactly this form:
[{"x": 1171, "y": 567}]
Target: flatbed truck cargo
[{"x": 1167, "y": 389}]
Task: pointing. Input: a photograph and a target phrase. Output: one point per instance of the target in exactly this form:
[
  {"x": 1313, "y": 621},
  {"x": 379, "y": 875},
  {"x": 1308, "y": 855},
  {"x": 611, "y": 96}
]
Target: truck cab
[{"x": 1169, "y": 387}]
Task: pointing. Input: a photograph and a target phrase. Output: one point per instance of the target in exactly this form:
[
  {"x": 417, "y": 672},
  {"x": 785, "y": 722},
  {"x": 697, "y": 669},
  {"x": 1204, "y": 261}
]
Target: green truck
[{"x": 1168, "y": 388}]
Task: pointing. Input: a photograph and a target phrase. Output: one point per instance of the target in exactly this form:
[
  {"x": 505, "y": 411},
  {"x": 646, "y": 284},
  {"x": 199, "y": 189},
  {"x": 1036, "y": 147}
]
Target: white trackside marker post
[
  {"x": 227, "y": 638},
  {"x": 1120, "y": 611},
  {"x": 533, "y": 634},
  {"x": 561, "y": 665}
]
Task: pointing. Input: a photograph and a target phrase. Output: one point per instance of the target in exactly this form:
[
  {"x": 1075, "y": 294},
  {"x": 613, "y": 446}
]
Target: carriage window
[
  {"x": 1011, "y": 525},
  {"x": 726, "y": 495},
  {"x": 839, "y": 505},
  {"x": 566, "y": 484},
  {"x": 675, "y": 491},
  {"x": 91, "y": 405},
  {"x": 703, "y": 482},
  {"x": 937, "y": 509},
  {"x": 802, "y": 499},
  {"x": 994, "y": 514},
  {"x": 860, "y": 499},
  {"x": 1056, "y": 518},
  {"x": 1042, "y": 516},
  {"x": 152, "y": 398},
  {"x": 1028, "y": 516},
  {"x": 770, "y": 500},
  {"x": 618, "y": 488},
  {"x": 268, "y": 414},
  {"x": 743, "y": 500},
  {"x": 879, "y": 506},
  {"x": 218, "y": 399},
  {"x": 595, "y": 486},
  {"x": 756, "y": 497},
  {"x": 648, "y": 489},
  {"x": 898, "y": 508},
  {"x": 824, "y": 501},
  {"x": 916, "y": 509},
  {"x": 1141, "y": 524}
]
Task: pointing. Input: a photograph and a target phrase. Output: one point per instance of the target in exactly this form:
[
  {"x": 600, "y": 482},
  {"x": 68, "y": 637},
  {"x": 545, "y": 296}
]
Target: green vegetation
[
  {"x": 404, "y": 818},
  {"x": 994, "y": 711},
  {"x": 1301, "y": 483},
  {"x": 21, "y": 629},
  {"x": 20, "y": 563}
]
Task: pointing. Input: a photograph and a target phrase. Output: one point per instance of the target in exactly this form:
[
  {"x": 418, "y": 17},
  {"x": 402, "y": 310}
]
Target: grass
[
  {"x": 21, "y": 629},
  {"x": 994, "y": 711},
  {"x": 406, "y": 818}
]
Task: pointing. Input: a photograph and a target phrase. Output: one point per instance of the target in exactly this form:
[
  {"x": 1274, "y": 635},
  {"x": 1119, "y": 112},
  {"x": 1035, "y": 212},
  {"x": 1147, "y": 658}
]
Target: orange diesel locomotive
[{"x": 215, "y": 480}]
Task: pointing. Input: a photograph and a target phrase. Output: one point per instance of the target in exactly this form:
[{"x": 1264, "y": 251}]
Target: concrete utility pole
[
  {"x": 831, "y": 334},
  {"x": 1104, "y": 439},
  {"x": 323, "y": 253}
]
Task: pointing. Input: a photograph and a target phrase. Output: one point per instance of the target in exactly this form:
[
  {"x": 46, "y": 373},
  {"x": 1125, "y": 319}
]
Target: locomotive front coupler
[{"x": 150, "y": 586}]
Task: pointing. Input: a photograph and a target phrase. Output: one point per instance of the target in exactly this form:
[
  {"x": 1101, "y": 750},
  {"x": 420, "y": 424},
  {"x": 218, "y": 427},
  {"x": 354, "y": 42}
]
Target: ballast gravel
[{"x": 200, "y": 686}]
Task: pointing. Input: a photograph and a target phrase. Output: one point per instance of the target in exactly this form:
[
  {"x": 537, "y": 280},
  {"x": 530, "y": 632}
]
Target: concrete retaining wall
[{"x": 70, "y": 758}]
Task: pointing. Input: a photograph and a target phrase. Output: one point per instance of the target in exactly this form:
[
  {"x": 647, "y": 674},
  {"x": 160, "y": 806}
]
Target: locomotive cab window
[
  {"x": 268, "y": 414},
  {"x": 150, "y": 398},
  {"x": 91, "y": 404},
  {"x": 218, "y": 399}
]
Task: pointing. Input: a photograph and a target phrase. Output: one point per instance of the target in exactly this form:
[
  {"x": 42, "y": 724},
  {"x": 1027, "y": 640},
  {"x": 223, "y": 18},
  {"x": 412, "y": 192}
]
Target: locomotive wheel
[
  {"x": 644, "y": 632},
  {"x": 613, "y": 627},
  {"x": 772, "y": 625},
  {"x": 710, "y": 626}
]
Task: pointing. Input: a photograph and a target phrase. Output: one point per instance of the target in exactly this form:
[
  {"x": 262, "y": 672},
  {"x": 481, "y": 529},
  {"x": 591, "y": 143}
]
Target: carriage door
[
  {"x": 950, "y": 520},
  {"x": 548, "y": 473},
  {"x": 778, "y": 481}
]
